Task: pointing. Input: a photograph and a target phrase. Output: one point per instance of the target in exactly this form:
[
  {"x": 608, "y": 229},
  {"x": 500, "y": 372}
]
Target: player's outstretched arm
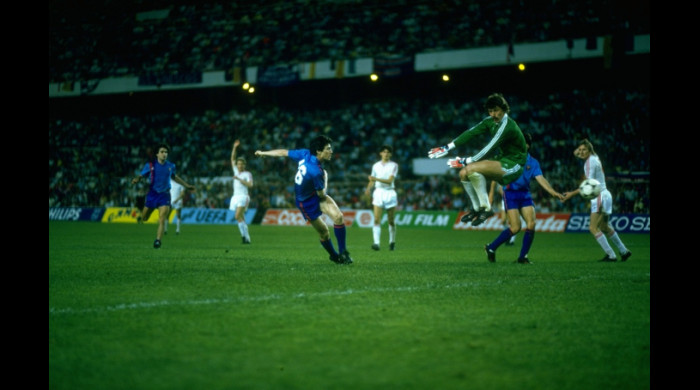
[
  {"x": 236, "y": 143},
  {"x": 179, "y": 180},
  {"x": 548, "y": 187},
  {"x": 570, "y": 194},
  {"x": 440, "y": 151},
  {"x": 459, "y": 162},
  {"x": 272, "y": 153}
]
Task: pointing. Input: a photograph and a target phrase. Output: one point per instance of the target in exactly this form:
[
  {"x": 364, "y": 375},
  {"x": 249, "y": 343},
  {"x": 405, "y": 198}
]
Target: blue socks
[
  {"x": 339, "y": 231},
  {"x": 340, "y": 236},
  {"x": 528, "y": 237},
  {"x": 503, "y": 237},
  {"x": 328, "y": 246}
]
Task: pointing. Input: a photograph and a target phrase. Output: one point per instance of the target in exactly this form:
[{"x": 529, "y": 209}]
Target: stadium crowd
[
  {"x": 92, "y": 160},
  {"x": 118, "y": 38}
]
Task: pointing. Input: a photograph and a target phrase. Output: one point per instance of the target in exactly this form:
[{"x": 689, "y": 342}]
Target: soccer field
[{"x": 206, "y": 312}]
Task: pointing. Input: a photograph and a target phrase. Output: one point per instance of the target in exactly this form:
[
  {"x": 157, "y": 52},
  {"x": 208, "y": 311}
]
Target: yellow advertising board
[{"x": 128, "y": 215}]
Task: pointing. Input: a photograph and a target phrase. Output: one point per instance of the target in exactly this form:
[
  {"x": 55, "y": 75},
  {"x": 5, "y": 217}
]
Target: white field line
[
  {"x": 244, "y": 299},
  {"x": 283, "y": 297}
]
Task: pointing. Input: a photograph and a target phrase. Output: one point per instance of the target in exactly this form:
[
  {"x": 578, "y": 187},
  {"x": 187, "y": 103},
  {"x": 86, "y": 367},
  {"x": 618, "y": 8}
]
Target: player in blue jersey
[
  {"x": 311, "y": 197},
  {"x": 518, "y": 202},
  {"x": 159, "y": 172}
]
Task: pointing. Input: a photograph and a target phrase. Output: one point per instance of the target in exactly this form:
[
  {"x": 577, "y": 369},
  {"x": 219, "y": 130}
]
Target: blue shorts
[
  {"x": 310, "y": 208},
  {"x": 155, "y": 200},
  {"x": 515, "y": 200}
]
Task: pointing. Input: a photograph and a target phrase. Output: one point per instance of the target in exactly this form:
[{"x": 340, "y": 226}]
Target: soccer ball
[{"x": 590, "y": 188}]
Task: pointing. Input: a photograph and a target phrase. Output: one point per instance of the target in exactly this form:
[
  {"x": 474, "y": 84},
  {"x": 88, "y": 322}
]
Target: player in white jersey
[
  {"x": 601, "y": 206},
  {"x": 177, "y": 194},
  {"x": 384, "y": 196},
  {"x": 242, "y": 182}
]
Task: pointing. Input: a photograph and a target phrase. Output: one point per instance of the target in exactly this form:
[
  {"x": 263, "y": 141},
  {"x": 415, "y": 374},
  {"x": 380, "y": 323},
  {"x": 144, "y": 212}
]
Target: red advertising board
[
  {"x": 293, "y": 217},
  {"x": 546, "y": 222}
]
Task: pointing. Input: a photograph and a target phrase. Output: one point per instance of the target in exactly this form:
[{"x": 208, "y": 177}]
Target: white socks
[
  {"x": 243, "y": 227},
  {"x": 377, "y": 234},
  {"x": 471, "y": 194},
  {"x": 479, "y": 182},
  {"x": 603, "y": 242},
  {"x": 618, "y": 243}
]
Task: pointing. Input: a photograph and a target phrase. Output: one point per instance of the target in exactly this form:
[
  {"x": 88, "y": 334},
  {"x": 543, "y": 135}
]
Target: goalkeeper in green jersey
[{"x": 502, "y": 159}]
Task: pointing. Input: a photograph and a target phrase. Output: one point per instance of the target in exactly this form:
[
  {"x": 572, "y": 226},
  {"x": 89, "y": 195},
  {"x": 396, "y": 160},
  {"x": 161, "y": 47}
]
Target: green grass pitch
[{"x": 206, "y": 312}]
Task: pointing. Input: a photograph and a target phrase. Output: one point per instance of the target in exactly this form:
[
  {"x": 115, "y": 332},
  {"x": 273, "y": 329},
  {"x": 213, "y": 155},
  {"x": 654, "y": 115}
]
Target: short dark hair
[
  {"x": 163, "y": 145},
  {"x": 318, "y": 143},
  {"x": 386, "y": 147},
  {"x": 497, "y": 100}
]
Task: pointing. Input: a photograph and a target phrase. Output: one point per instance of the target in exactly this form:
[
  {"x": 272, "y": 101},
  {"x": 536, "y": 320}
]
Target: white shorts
[
  {"x": 177, "y": 205},
  {"x": 239, "y": 201},
  {"x": 385, "y": 198},
  {"x": 602, "y": 203}
]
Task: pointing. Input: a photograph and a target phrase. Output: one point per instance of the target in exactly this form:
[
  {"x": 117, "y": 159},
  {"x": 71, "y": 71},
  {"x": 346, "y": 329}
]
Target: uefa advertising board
[{"x": 546, "y": 222}]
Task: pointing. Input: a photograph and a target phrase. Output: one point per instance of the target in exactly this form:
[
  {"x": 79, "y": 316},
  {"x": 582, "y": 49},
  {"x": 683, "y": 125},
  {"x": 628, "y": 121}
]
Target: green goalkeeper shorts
[{"x": 511, "y": 171}]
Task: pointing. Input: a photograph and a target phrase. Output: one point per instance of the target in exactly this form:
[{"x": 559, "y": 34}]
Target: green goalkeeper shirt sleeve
[{"x": 505, "y": 135}]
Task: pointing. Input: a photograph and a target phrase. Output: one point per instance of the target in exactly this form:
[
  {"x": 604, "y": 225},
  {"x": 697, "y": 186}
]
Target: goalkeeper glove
[
  {"x": 440, "y": 151},
  {"x": 459, "y": 162}
]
